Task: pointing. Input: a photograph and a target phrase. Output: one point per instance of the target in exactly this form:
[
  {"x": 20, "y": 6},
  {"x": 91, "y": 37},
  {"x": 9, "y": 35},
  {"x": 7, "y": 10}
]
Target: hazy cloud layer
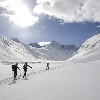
[
  {"x": 14, "y": 10},
  {"x": 70, "y": 10},
  {"x": 67, "y": 11}
]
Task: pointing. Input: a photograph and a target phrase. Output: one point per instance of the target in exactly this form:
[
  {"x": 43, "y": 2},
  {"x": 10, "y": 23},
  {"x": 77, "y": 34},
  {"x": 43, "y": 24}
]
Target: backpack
[
  {"x": 13, "y": 67},
  {"x": 25, "y": 67}
]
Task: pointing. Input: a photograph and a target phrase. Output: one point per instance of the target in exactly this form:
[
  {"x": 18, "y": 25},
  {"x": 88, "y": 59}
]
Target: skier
[
  {"x": 14, "y": 68},
  {"x": 25, "y": 69},
  {"x": 47, "y": 66}
]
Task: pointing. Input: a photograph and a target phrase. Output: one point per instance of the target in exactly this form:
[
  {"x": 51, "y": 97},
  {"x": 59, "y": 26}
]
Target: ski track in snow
[{"x": 11, "y": 81}]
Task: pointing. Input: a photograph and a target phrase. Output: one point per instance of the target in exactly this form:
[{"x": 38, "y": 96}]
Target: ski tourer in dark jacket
[
  {"x": 14, "y": 68},
  {"x": 47, "y": 66},
  {"x": 25, "y": 68}
]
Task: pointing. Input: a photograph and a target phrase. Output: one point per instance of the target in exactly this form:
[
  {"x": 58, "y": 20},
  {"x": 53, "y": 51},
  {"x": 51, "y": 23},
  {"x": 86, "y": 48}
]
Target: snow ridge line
[{"x": 10, "y": 81}]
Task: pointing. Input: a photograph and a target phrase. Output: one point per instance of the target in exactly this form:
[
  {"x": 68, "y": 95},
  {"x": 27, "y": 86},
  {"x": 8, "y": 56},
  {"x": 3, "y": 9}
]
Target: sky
[{"x": 65, "y": 21}]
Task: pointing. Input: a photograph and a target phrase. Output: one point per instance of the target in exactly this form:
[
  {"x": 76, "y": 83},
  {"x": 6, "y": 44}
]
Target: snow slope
[
  {"x": 89, "y": 51},
  {"x": 64, "y": 81},
  {"x": 12, "y": 51}
]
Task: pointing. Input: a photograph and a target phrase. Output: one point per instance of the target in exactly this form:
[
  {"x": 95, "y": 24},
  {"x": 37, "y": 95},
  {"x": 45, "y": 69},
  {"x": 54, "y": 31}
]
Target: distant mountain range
[
  {"x": 54, "y": 51},
  {"x": 16, "y": 40},
  {"x": 35, "y": 45},
  {"x": 54, "y": 43},
  {"x": 14, "y": 50}
]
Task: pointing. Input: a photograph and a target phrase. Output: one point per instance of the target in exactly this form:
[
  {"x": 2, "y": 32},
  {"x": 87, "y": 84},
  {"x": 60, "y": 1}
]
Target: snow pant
[
  {"x": 15, "y": 73},
  {"x": 24, "y": 73},
  {"x": 47, "y": 68}
]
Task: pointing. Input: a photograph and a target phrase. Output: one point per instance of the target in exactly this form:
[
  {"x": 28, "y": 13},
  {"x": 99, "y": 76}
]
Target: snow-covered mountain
[
  {"x": 16, "y": 40},
  {"x": 71, "y": 47},
  {"x": 53, "y": 51},
  {"x": 89, "y": 51},
  {"x": 14, "y": 50}
]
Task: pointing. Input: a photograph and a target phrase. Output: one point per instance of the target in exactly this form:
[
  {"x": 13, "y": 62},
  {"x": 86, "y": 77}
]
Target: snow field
[{"x": 80, "y": 81}]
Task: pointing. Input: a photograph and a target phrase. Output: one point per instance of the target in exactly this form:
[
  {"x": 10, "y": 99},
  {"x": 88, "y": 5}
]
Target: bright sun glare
[{"x": 22, "y": 16}]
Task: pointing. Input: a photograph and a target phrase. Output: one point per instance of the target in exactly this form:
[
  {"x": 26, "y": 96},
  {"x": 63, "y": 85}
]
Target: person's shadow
[
  {"x": 25, "y": 78},
  {"x": 13, "y": 82}
]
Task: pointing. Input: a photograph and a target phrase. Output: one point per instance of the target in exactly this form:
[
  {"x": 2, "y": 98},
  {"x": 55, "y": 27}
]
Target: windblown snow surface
[{"x": 74, "y": 79}]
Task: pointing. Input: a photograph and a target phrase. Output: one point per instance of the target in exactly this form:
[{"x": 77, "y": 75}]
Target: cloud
[
  {"x": 18, "y": 12},
  {"x": 70, "y": 11},
  {"x": 44, "y": 43},
  {"x": 2, "y": 0},
  {"x": 30, "y": 3},
  {"x": 2, "y": 10},
  {"x": 98, "y": 26},
  {"x": 42, "y": 27}
]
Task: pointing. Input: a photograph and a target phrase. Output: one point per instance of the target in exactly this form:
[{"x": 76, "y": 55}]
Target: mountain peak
[
  {"x": 16, "y": 40},
  {"x": 55, "y": 44},
  {"x": 89, "y": 51},
  {"x": 92, "y": 42},
  {"x": 35, "y": 45},
  {"x": 70, "y": 47}
]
